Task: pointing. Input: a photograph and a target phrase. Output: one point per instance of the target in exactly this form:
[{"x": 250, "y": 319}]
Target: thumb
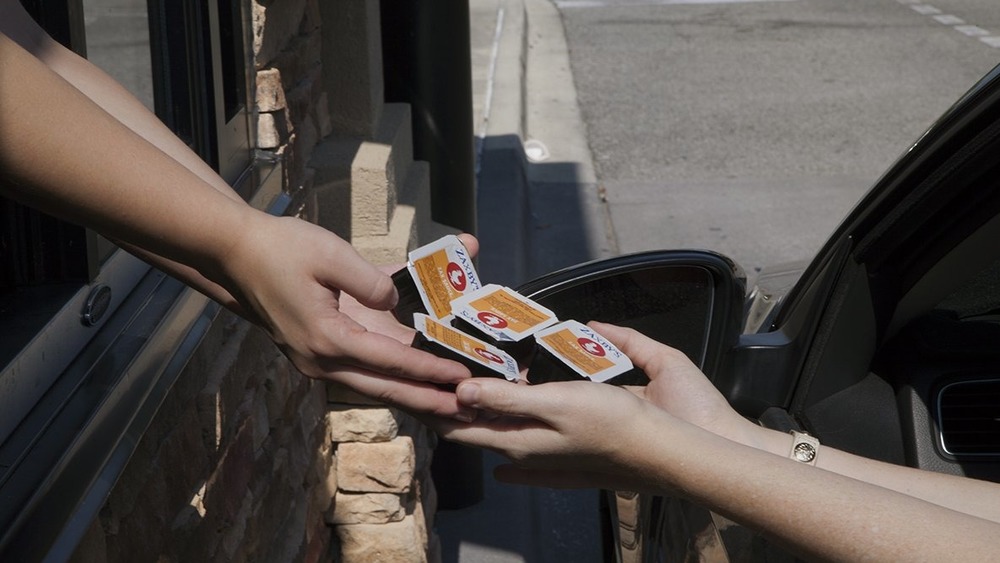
[
  {"x": 503, "y": 397},
  {"x": 470, "y": 243},
  {"x": 645, "y": 353}
]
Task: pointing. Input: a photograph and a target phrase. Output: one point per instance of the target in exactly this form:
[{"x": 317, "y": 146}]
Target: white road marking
[
  {"x": 948, "y": 19},
  {"x": 956, "y": 23},
  {"x": 991, "y": 41},
  {"x": 925, "y": 9},
  {"x": 971, "y": 30}
]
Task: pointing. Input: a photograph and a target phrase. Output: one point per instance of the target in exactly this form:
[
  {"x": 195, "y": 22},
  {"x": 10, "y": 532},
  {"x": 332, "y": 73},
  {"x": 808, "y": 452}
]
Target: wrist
[
  {"x": 230, "y": 261},
  {"x": 768, "y": 440}
]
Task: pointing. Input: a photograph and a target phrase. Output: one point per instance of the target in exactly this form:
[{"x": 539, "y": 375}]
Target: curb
[
  {"x": 542, "y": 214},
  {"x": 501, "y": 164},
  {"x": 571, "y": 222},
  {"x": 527, "y": 213}
]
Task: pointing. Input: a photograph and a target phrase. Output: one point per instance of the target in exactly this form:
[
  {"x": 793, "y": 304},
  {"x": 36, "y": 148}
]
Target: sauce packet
[
  {"x": 482, "y": 359},
  {"x": 435, "y": 275},
  {"x": 502, "y": 317},
  {"x": 571, "y": 350}
]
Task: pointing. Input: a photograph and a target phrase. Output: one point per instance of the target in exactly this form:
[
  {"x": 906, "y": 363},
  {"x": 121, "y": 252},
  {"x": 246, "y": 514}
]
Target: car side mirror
[{"x": 691, "y": 300}]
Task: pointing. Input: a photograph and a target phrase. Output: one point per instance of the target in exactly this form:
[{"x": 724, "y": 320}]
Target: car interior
[
  {"x": 904, "y": 363},
  {"x": 889, "y": 347}
]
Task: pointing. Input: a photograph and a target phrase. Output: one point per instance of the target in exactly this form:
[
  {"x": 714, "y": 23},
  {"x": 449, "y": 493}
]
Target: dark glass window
[
  {"x": 43, "y": 260},
  {"x": 234, "y": 91},
  {"x": 179, "y": 58},
  {"x": 184, "y": 59},
  {"x": 91, "y": 338}
]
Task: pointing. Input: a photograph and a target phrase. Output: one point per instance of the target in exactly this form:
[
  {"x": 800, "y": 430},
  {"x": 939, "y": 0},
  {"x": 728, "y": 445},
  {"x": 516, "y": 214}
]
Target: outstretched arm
[
  {"x": 64, "y": 154},
  {"x": 690, "y": 443},
  {"x": 118, "y": 102}
]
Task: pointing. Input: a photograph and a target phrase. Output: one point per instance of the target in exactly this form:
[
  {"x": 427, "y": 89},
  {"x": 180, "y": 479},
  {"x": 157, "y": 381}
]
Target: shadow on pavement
[{"x": 534, "y": 218}]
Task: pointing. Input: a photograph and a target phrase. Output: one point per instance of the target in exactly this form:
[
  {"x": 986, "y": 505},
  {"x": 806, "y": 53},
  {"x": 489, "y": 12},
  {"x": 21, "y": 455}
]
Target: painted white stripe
[
  {"x": 568, "y": 4},
  {"x": 993, "y": 41},
  {"x": 971, "y": 30},
  {"x": 925, "y": 9},
  {"x": 491, "y": 73},
  {"x": 488, "y": 101},
  {"x": 956, "y": 23},
  {"x": 949, "y": 19}
]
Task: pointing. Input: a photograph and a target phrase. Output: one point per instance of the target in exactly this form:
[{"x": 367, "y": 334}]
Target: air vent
[{"x": 969, "y": 418}]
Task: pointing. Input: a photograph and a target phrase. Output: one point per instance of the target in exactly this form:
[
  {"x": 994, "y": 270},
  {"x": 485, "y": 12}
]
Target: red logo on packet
[
  {"x": 456, "y": 277},
  {"x": 492, "y": 320},
  {"x": 591, "y": 347},
  {"x": 489, "y": 356}
]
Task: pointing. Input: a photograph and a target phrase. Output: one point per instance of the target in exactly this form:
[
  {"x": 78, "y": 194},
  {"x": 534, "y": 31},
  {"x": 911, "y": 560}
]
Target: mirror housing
[{"x": 692, "y": 300}]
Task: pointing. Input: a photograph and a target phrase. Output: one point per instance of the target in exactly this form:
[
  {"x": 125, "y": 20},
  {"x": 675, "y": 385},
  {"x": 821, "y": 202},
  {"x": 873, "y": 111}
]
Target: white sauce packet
[{"x": 584, "y": 350}]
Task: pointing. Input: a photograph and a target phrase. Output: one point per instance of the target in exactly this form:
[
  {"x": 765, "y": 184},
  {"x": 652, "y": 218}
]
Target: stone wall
[
  {"x": 237, "y": 465},
  {"x": 247, "y": 460},
  {"x": 385, "y": 501},
  {"x": 320, "y": 98}
]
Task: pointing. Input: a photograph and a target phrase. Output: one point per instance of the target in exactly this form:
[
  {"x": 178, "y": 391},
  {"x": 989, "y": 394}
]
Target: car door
[{"x": 886, "y": 347}]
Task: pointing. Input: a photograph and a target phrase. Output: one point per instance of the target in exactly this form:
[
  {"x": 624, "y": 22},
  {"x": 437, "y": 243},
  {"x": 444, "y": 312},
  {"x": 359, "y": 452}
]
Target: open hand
[
  {"x": 677, "y": 385},
  {"x": 289, "y": 276},
  {"x": 582, "y": 434}
]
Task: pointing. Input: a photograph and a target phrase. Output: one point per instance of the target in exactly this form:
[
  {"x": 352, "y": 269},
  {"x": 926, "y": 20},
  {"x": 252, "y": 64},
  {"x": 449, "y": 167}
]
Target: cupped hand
[
  {"x": 582, "y": 434},
  {"x": 677, "y": 385},
  {"x": 560, "y": 434},
  {"x": 288, "y": 276}
]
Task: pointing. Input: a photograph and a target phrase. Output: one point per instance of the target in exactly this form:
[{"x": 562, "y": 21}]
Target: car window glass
[{"x": 670, "y": 304}]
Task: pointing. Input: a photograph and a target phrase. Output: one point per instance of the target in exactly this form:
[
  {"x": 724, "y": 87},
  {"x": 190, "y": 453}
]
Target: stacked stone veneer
[
  {"x": 320, "y": 98},
  {"x": 320, "y": 101},
  {"x": 247, "y": 460}
]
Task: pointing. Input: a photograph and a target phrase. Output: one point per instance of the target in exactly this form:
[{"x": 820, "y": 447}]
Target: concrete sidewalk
[
  {"x": 539, "y": 204},
  {"x": 536, "y": 215}
]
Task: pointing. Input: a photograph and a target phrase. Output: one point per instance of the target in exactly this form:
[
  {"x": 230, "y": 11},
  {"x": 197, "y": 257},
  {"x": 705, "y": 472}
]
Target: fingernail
[
  {"x": 468, "y": 393},
  {"x": 466, "y": 415}
]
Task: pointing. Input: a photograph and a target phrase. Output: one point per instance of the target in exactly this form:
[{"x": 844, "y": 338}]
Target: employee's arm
[{"x": 63, "y": 154}]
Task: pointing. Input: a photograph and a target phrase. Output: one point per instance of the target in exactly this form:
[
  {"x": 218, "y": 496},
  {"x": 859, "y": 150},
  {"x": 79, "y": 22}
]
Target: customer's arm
[
  {"x": 682, "y": 390},
  {"x": 61, "y": 153},
  {"x": 690, "y": 443}
]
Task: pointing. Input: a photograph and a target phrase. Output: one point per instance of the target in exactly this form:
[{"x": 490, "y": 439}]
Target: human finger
[
  {"x": 381, "y": 322},
  {"x": 646, "y": 353},
  {"x": 356, "y": 276},
  {"x": 470, "y": 243},
  {"x": 517, "y": 438},
  {"x": 413, "y": 396},
  {"x": 386, "y": 355},
  {"x": 537, "y": 401}
]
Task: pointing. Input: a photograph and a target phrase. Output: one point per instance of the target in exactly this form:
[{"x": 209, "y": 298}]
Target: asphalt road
[
  {"x": 752, "y": 127},
  {"x": 745, "y": 127}
]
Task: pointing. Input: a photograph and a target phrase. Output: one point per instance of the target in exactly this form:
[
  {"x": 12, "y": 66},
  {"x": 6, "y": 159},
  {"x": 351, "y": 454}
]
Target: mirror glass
[{"x": 671, "y": 303}]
